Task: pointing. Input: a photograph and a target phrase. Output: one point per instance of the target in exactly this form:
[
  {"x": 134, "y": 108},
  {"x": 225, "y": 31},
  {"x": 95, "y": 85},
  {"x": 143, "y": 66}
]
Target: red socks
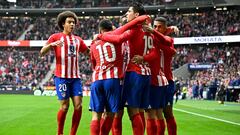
[
  {"x": 172, "y": 126},
  {"x": 160, "y": 127},
  {"x": 61, "y": 116},
  {"x": 95, "y": 127},
  {"x": 75, "y": 121},
  {"x": 137, "y": 125},
  {"x": 106, "y": 126},
  {"x": 117, "y": 126},
  {"x": 151, "y": 127},
  {"x": 143, "y": 120}
]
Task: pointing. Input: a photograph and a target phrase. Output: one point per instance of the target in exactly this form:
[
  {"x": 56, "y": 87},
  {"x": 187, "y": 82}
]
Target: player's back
[
  {"x": 108, "y": 60},
  {"x": 140, "y": 44}
]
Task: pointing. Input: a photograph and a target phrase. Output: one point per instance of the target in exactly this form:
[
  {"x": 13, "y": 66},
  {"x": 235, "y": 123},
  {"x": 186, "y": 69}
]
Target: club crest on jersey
[{"x": 72, "y": 52}]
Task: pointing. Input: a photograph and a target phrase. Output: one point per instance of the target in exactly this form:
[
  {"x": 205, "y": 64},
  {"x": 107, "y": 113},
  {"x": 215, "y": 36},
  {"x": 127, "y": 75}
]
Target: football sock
[
  {"x": 151, "y": 127},
  {"x": 117, "y": 126},
  {"x": 143, "y": 120},
  {"x": 95, "y": 127},
  {"x": 61, "y": 116},
  {"x": 106, "y": 126},
  {"x": 137, "y": 125},
  {"x": 160, "y": 127},
  {"x": 75, "y": 121},
  {"x": 172, "y": 126}
]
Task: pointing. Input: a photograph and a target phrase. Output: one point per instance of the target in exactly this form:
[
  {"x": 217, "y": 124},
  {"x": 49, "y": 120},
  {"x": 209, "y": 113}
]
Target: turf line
[{"x": 205, "y": 116}]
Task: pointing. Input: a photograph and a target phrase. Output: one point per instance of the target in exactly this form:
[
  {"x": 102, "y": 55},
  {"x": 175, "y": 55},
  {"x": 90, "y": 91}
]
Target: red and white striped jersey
[
  {"x": 107, "y": 59},
  {"x": 140, "y": 43},
  {"x": 166, "y": 44},
  {"x": 155, "y": 59},
  {"x": 67, "y": 65}
]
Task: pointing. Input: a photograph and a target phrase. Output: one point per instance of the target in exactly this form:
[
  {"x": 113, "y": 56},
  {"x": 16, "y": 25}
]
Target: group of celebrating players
[{"x": 131, "y": 68}]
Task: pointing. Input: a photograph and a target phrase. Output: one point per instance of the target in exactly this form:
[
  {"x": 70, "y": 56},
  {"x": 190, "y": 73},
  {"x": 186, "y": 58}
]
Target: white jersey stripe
[
  {"x": 108, "y": 73},
  {"x": 63, "y": 58},
  {"x": 159, "y": 80},
  {"x": 93, "y": 76},
  {"x": 69, "y": 58},
  {"x": 142, "y": 69},
  {"x": 115, "y": 71},
  {"x": 100, "y": 76},
  {"x": 74, "y": 58}
]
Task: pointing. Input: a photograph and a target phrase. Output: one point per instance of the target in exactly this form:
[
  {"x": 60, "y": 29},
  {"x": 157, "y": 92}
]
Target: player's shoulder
[
  {"x": 57, "y": 34},
  {"x": 77, "y": 37}
]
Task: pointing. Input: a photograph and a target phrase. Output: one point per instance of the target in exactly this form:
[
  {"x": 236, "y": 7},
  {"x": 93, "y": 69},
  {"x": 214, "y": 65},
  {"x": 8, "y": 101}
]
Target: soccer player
[
  {"x": 160, "y": 25},
  {"x": 137, "y": 78},
  {"x": 106, "y": 89},
  {"x": 67, "y": 77},
  {"x": 107, "y": 59},
  {"x": 158, "y": 82}
]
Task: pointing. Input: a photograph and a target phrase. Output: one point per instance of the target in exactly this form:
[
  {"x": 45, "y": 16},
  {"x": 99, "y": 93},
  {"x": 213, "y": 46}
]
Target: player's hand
[
  {"x": 147, "y": 28},
  {"x": 57, "y": 43},
  {"x": 137, "y": 59},
  {"x": 175, "y": 29},
  {"x": 172, "y": 29},
  {"x": 95, "y": 37},
  {"x": 144, "y": 18}
]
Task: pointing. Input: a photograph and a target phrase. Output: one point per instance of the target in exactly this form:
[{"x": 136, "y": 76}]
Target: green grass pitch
[{"x": 36, "y": 115}]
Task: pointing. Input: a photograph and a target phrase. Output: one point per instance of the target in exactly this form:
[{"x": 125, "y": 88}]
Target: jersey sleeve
[
  {"x": 51, "y": 39},
  {"x": 83, "y": 46},
  {"x": 93, "y": 61},
  {"x": 162, "y": 38},
  {"x": 116, "y": 39},
  {"x": 150, "y": 57},
  {"x": 131, "y": 24}
]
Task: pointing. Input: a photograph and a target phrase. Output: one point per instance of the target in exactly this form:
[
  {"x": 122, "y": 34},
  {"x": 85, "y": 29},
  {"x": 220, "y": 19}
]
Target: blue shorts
[
  {"x": 136, "y": 90},
  {"x": 67, "y": 87},
  {"x": 157, "y": 97},
  {"x": 170, "y": 92},
  {"x": 105, "y": 94}
]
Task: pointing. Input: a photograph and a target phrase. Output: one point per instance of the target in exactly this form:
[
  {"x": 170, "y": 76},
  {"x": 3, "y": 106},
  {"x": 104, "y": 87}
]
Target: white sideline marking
[{"x": 205, "y": 116}]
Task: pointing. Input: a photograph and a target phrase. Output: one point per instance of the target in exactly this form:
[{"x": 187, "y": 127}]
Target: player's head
[
  {"x": 105, "y": 25},
  {"x": 135, "y": 9},
  {"x": 160, "y": 24},
  {"x": 66, "y": 21}
]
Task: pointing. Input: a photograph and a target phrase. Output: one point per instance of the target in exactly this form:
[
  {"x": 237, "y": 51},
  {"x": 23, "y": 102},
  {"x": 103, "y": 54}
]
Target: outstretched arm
[{"x": 138, "y": 20}]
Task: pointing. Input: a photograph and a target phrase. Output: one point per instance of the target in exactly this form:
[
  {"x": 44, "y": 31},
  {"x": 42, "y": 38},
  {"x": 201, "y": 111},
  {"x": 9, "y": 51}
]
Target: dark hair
[
  {"x": 138, "y": 8},
  {"x": 105, "y": 24},
  {"x": 161, "y": 19},
  {"x": 61, "y": 18}
]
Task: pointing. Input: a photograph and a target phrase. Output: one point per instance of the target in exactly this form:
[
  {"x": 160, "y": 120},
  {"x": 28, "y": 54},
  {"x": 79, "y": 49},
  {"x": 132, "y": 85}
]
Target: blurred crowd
[
  {"x": 22, "y": 67},
  {"x": 74, "y": 3},
  {"x": 210, "y": 23},
  {"x": 224, "y": 77}
]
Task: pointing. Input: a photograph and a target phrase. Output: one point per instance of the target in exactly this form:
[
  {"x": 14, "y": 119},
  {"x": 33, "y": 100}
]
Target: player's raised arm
[
  {"x": 138, "y": 20},
  {"x": 45, "y": 49}
]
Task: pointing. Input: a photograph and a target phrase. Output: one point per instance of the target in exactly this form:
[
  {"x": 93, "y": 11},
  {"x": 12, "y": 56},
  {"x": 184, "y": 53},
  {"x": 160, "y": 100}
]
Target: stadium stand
[{"x": 192, "y": 22}]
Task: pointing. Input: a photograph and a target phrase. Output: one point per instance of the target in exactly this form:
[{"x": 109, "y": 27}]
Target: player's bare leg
[
  {"x": 141, "y": 111},
  {"x": 106, "y": 123},
  {"x": 160, "y": 122},
  {"x": 61, "y": 116},
  {"x": 135, "y": 117},
  {"x": 171, "y": 123},
  {"x": 151, "y": 121},
  {"x": 76, "y": 117},
  {"x": 117, "y": 123},
  {"x": 95, "y": 123}
]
